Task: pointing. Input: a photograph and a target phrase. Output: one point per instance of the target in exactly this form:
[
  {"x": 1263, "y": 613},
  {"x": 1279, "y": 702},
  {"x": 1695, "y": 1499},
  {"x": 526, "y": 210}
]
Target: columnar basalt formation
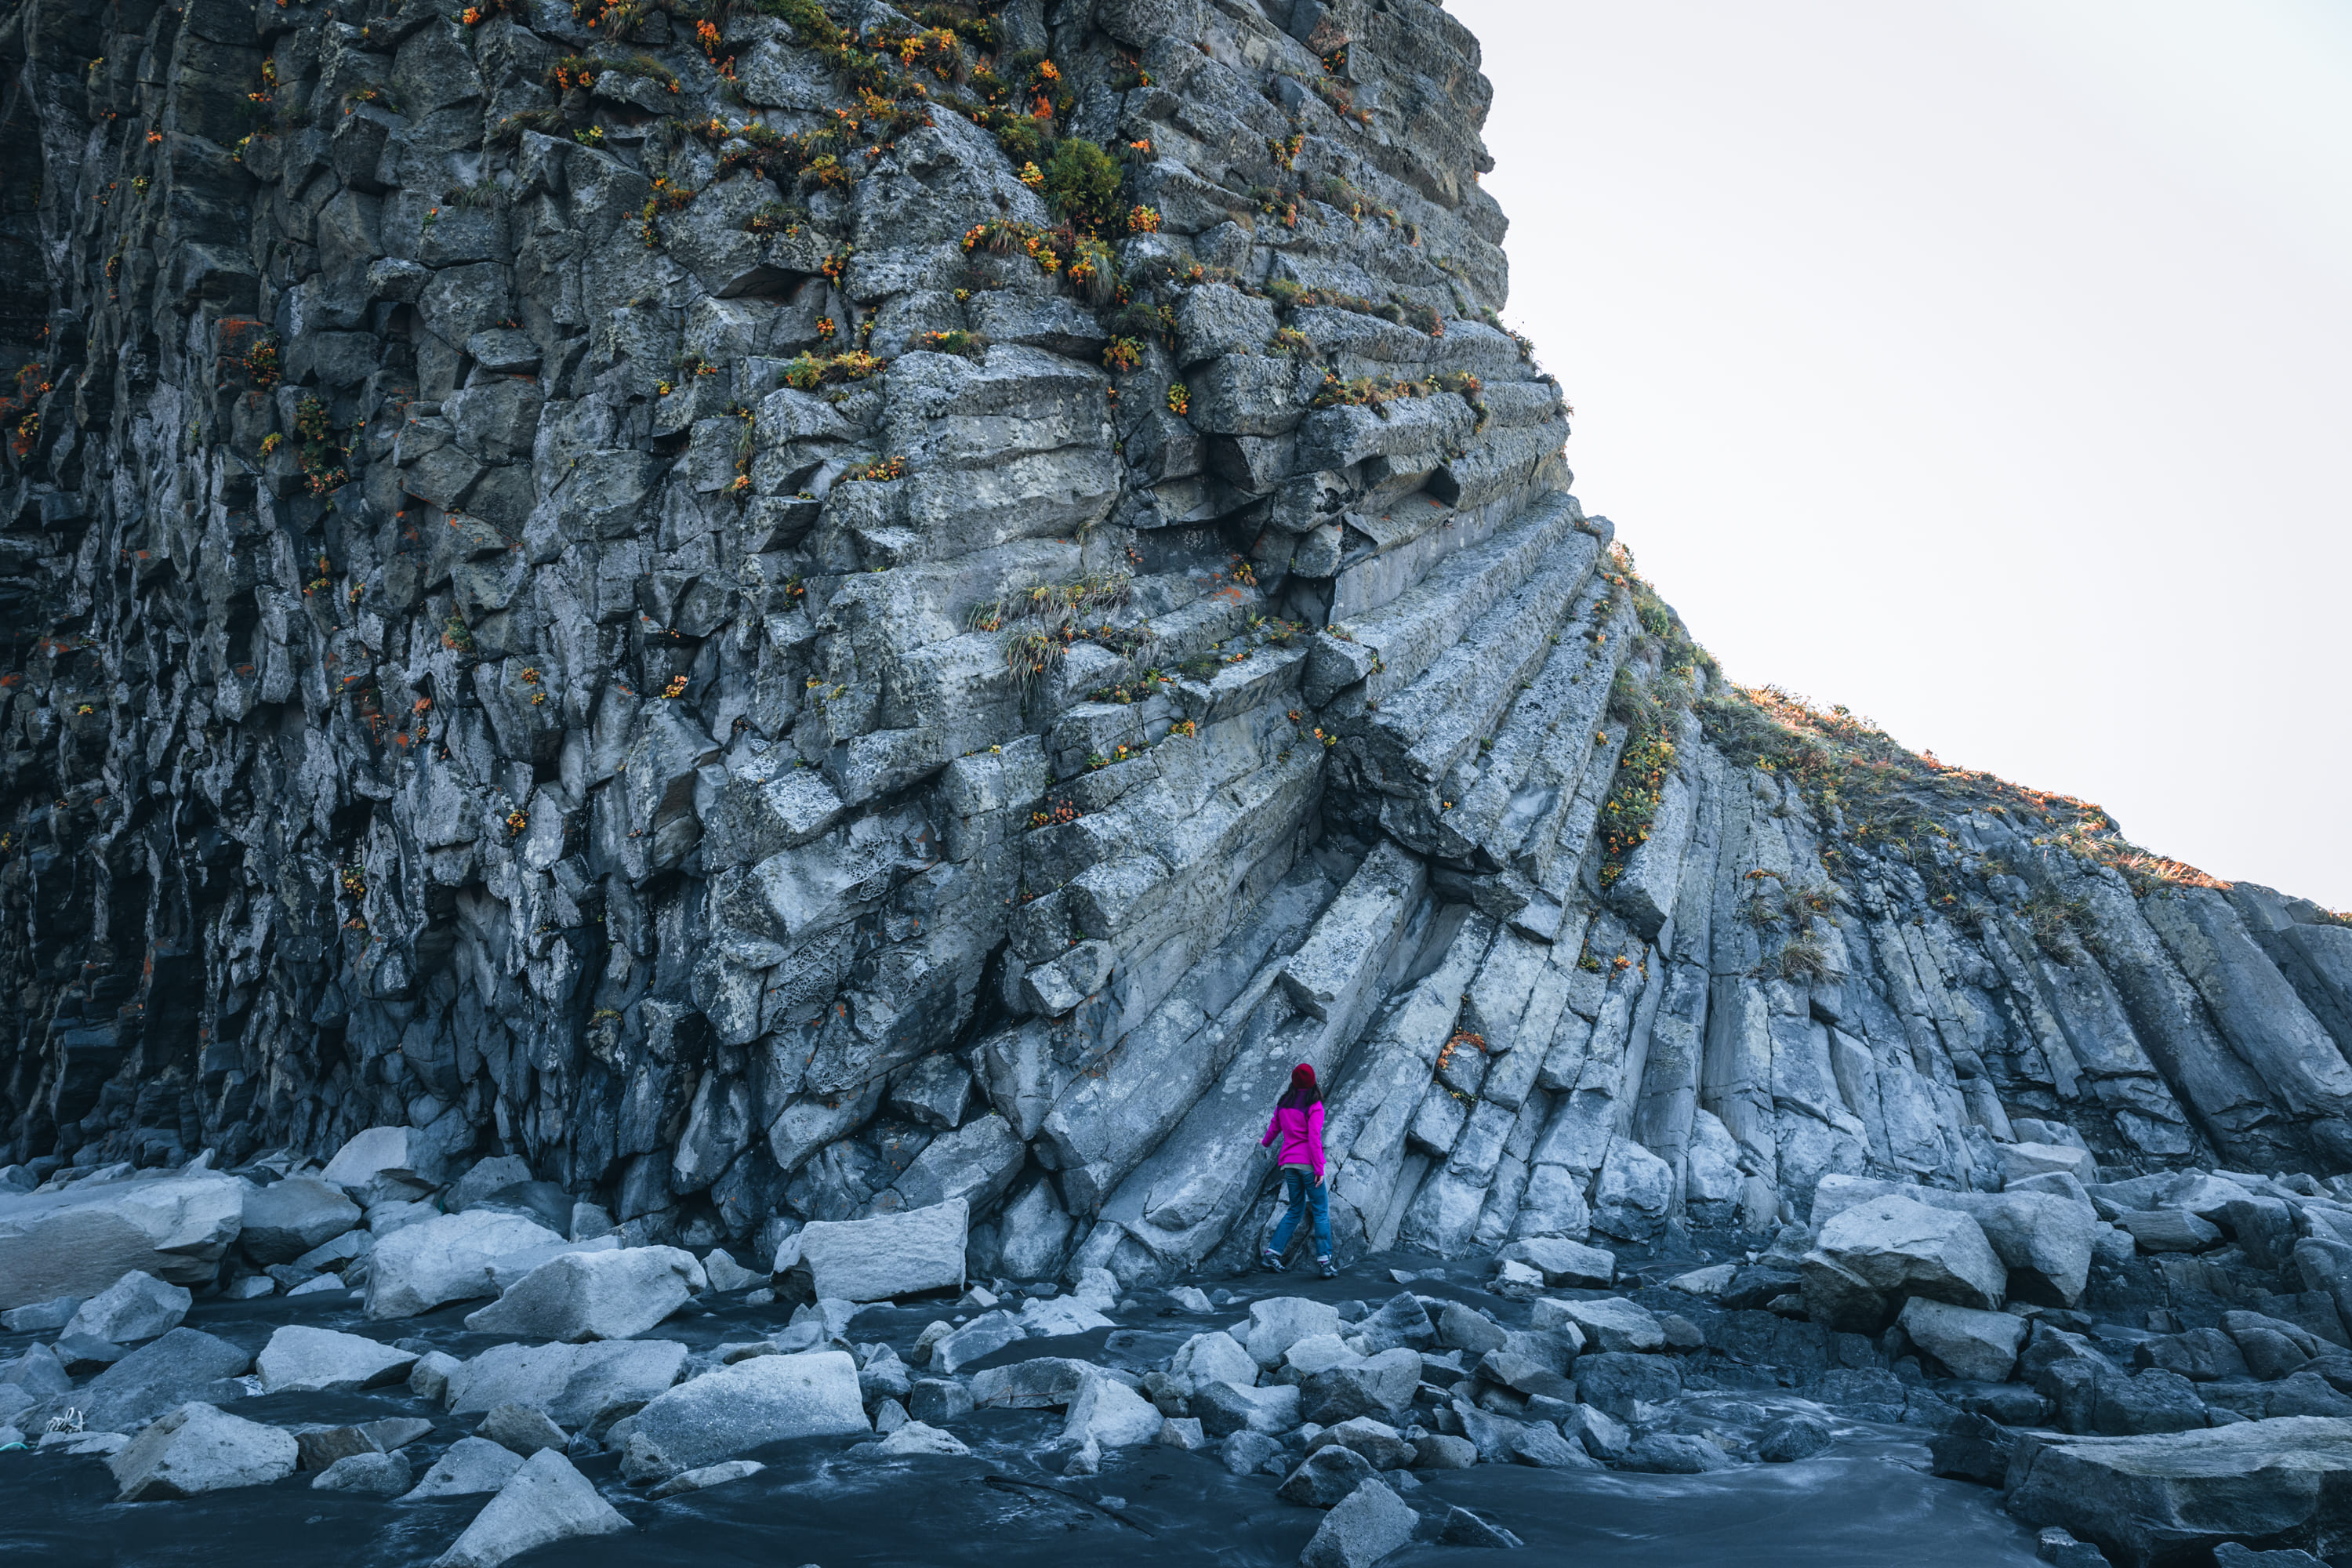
[{"x": 790, "y": 613}]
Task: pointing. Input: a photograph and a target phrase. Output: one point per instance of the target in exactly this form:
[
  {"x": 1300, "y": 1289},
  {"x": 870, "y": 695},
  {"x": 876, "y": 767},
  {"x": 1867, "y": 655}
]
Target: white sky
[{"x": 1985, "y": 367}]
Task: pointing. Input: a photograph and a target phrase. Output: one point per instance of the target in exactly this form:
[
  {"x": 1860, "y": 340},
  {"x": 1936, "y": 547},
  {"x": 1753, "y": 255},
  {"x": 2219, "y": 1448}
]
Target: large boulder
[
  {"x": 766, "y": 1399},
  {"x": 303, "y": 1360},
  {"x": 1279, "y": 1321},
  {"x": 545, "y": 1500},
  {"x": 1111, "y": 1415},
  {"x": 593, "y": 1295},
  {"x": 1039, "y": 1382},
  {"x": 1618, "y": 1380},
  {"x": 1224, "y": 1409},
  {"x": 286, "y": 1219},
  {"x": 1636, "y": 1190},
  {"x": 81, "y": 1240},
  {"x": 1213, "y": 1357},
  {"x": 575, "y": 1384},
  {"x": 136, "y": 1307},
  {"x": 879, "y": 1258},
  {"x": 471, "y": 1465},
  {"x": 450, "y": 1257},
  {"x": 1897, "y": 1247},
  {"x": 1974, "y": 1344},
  {"x": 1367, "y": 1525},
  {"x": 200, "y": 1448},
  {"x": 1384, "y": 1384},
  {"x": 183, "y": 1365},
  {"x": 1564, "y": 1263},
  {"x": 385, "y": 1163},
  {"x": 2046, "y": 1239},
  {"x": 1325, "y": 1476},
  {"x": 2170, "y": 1498},
  {"x": 1613, "y": 1324}
]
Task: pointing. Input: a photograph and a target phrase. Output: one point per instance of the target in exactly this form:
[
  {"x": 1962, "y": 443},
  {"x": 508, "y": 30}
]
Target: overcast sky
[{"x": 1985, "y": 367}]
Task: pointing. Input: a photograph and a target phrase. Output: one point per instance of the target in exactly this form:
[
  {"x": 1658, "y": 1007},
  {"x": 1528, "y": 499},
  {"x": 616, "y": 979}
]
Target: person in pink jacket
[{"x": 1299, "y": 1124}]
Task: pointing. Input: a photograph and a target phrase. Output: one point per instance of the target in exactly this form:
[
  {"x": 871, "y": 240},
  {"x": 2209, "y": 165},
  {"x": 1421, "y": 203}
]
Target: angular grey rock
[
  {"x": 377, "y": 1475},
  {"x": 727, "y": 1276},
  {"x": 41, "y": 1316},
  {"x": 1111, "y": 1415},
  {"x": 1439, "y": 1451},
  {"x": 1463, "y": 1528},
  {"x": 136, "y": 1307},
  {"x": 1790, "y": 1439},
  {"x": 521, "y": 1429},
  {"x": 1324, "y": 1477},
  {"x": 1040, "y": 1382},
  {"x": 1467, "y": 1328},
  {"x": 183, "y": 1365},
  {"x": 582, "y": 1296},
  {"x": 79, "y": 1240},
  {"x": 916, "y": 1438},
  {"x": 286, "y": 1219},
  {"x": 934, "y": 1400},
  {"x": 1614, "y": 1323},
  {"x": 1384, "y": 1384},
  {"x": 1245, "y": 1453},
  {"x": 1213, "y": 1357},
  {"x": 723, "y": 1412},
  {"x": 303, "y": 1360},
  {"x": 545, "y": 1500},
  {"x": 708, "y": 1475},
  {"x": 2169, "y": 1230},
  {"x": 1224, "y": 1409},
  {"x": 386, "y": 1162},
  {"x": 983, "y": 1336},
  {"x": 575, "y": 1384},
  {"x": 1974, "y": 1344},
  {"x": 1364, "y": 1526},
  {"x": 2144, "y": 1499},
  {"x": 1182, "y": 1432},
  {"x": 199, "y": 1447},
  {"x": 450, "y": 1259},
  {"x": 1674, "y": 1454},
  {"x": 1279, "y": 1321},
  {"x": 1615, "y": 1382},
  {"x": 879, "y": 1258},
  {"x": 1401, "y": 1322},
  {"x": 470, "y": 1465},
  {"x": 1564, "y": 1262},
  {"x": 1898, "y": 1246},
  {"x": 1603, "y": 1436}
]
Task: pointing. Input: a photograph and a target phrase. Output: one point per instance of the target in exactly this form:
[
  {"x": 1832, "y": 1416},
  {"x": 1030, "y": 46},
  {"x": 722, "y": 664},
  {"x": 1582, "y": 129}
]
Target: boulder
[
  {"x": 1613, "y": 1324},
  {"x": 1463, "y": 1528},
  {"x": 1616, "y": 1381},
  {"x": 1974, "y": 1344},
  {"x": 1403, "y": 1322},
  {"x": 1466, "y": 1328},
  {"x": 183, "y": 1365},
  {"x": 1898, "y": 1247},
  {"x": 1279, "y": 1321},
  {"x": 482, "y": 1180},
  {"x": 710, "y": 1475},
  {"x": 2165, "y": 1498},
  {"x": 302, "y": 1360},
  {"x": 521, "y": 1429},
  {"x": 1439, "y": 1451},
  {"x": 1224, "y": 1409},
  {"x": 1248, "y": 1453},
  {"x": 1603, "y": 1436},
  {"x": 387, "y": 1163},
  {"x": 983, "y": 1336},
  {"x": 1382, "y": 1447},
  {"x": 200, "y": 1448},
  {"x": 286, "y": 1219},
  {"x": 136, "y": 1307},
  {"x": 1564, "y": 1263},
  {"x": 1384, "y": 1384},
  {"x": 82, "y": 1238},
  {"x": 2044, "y": 1239},
  {"x": 764, "y": 1400},
  {"x": 1182, "y": 1432},
  {"x": 1212, "y": 1357},
  {"x": 2168, "y": 1230},
  {"x": 470, "y": 1465},
  {"x": 2021, "y": 1160},
  {"x": 880, "y": 1259},
  {"x": 447, "y": 1258},
  {"x": 1040, "y": 1382},
  {"x": 545, "y": 1500},
  {"x": 1674, "y": 1454},
  {"x": 42, "y": 1316},
  {"x": 576, "y": 1386},
  {"x": 1325, "y": 1475},
  {"x": 1790, "y": 1439},
  {"x": 1112, "y": 1414},
  {"x": 582, "y": 1296},
  {"x": 1367, "y": 1525},
  {"x": 727, "y": 1276},
  {"x": 1636, "y": 1190},
  {"x": 376, "y": 1475},
  {"x": 915, "y": 1437}
]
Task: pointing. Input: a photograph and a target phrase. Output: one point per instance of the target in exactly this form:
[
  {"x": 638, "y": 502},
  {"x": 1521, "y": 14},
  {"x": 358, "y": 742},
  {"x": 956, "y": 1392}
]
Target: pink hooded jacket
[{"x": 1302, "y": 1137}]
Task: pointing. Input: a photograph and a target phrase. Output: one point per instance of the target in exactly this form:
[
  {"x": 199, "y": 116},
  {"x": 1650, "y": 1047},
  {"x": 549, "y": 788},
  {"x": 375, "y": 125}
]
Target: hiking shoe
[
  {"x": 1269, "y": 1262},
  {"x": 1330, "y": 1270}
]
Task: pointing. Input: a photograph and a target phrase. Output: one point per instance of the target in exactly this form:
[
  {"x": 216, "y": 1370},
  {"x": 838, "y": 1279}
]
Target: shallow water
[{"x": 1865, "y": 1503}]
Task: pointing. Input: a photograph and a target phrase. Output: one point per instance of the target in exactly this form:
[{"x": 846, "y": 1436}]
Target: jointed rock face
[{"x": 802, "y": 614}]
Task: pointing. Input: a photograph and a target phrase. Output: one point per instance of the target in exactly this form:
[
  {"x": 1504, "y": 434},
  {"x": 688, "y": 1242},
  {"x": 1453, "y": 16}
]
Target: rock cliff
[{"x": 801, "y": 611}]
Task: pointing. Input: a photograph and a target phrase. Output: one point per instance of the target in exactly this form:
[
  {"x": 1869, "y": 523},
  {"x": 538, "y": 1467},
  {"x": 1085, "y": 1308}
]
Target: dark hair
[{"x": 1303, "y": 1092}]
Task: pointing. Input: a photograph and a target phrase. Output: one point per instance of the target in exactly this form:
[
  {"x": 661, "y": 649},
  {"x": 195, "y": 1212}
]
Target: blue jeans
[{"x": 1300, "y": 1190}]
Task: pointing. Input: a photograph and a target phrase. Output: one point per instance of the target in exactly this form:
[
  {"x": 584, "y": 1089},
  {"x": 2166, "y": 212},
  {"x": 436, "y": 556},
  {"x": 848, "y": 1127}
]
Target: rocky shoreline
[{"x": 560, "y": 1384}]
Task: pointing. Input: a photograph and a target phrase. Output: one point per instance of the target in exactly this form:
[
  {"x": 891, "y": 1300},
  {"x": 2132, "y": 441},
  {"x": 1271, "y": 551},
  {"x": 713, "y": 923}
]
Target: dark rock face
[{"x": 828, "y": 616}]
